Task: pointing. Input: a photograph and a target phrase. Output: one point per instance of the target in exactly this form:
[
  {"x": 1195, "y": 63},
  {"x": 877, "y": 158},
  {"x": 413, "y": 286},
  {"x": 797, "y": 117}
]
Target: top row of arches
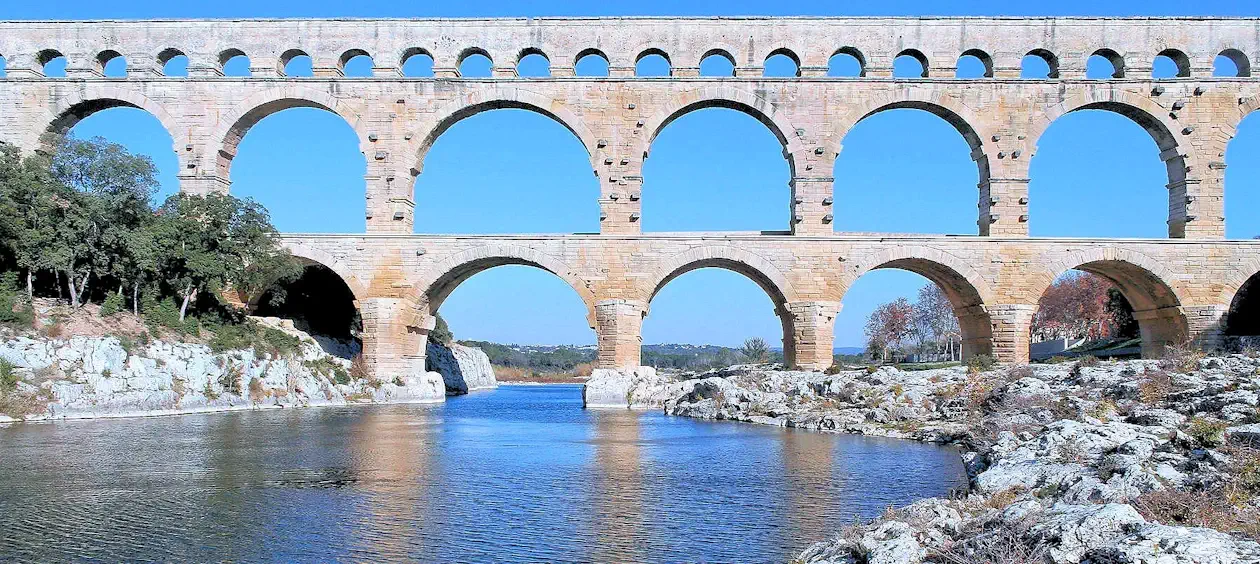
[{"x": 650, "y": 62}]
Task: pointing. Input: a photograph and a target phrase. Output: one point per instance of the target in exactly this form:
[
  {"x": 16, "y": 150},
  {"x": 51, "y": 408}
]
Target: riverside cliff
[
  {"x": 1084, "y": 462},
  {"x": 107, "y": 376}
]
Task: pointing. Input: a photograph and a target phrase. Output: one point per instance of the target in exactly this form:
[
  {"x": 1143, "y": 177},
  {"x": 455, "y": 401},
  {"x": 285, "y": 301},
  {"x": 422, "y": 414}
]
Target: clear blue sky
[{"x": 888, "y": 180}]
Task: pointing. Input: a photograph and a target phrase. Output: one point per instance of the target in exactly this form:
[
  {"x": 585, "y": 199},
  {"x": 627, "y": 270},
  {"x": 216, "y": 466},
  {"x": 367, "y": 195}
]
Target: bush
[
  {"x": 1155, "y": 387},
  {"x": 1087, "y": 361},
  {"x": 162, "y": 314},
  {"x": 359, "y": 368},
  {"x": 8, "y": 377},
  {"x": 441, "y": 333},
  {"x": 13, "y": 307},
  {"x": 981, "y": 363},
  {"x": 113, "y": 304},
  {"x": 1208, "y": 432}
]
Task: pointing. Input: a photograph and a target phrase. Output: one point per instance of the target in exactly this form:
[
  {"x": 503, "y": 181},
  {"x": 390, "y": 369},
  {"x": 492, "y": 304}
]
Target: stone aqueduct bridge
[{"x": 1182, "y": 287}]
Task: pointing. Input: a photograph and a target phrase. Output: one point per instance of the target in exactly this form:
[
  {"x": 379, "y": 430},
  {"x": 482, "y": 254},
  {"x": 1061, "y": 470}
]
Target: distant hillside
[{"x": 565, "y": 358}]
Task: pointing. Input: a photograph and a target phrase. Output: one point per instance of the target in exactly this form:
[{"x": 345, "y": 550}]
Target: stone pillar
[
  {"x": 621, "y": 188},
  {"x": 23, "y": 66},
  {"x": 619, "y": 332},
  {"x": 503, "y": 72},
  {"x": 684, "y": 72},
  {"x": 809, "y": 346},
  {"x": 1160, "y": 328},
  {"x": 1207, "y": 325},
  {"x": 813, "y": 210},
  {"x": 1010, "y": 331},
  {"x": 445, "y": 72},
  {"x": 620, "y": 71},
  {"x": 394, "y": 337},
  {"x": 814, "y": 71}
]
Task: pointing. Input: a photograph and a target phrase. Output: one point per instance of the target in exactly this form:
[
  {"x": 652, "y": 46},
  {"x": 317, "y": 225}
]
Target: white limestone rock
[
  {"x": 634, "y": 388},
  {"x": 464, "y": 369}
]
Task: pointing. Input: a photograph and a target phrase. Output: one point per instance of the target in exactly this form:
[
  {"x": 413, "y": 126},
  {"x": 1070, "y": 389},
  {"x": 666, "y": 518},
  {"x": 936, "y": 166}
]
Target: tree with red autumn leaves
[
  {"x": 1080, "y": 305},
  {"x": 888, "y": 326}
]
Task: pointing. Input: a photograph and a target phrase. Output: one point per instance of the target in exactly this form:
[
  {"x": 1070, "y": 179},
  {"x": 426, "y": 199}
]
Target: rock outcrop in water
[
  {"x": 1101, "y": 463},
  {"x": 464, "y": 369},
  {"x": 87, "y": 377}
]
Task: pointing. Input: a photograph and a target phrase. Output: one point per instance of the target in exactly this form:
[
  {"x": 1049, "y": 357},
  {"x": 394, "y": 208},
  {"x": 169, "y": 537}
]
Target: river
[{"x": 519, "y": 474}]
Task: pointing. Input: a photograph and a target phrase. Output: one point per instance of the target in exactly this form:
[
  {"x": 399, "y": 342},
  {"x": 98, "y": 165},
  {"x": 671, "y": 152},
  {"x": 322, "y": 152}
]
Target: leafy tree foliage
[
  {"x": 1080, "y": 305},
  {"x": 85, "y": 215},
  {"x": 755, "y": 349}
]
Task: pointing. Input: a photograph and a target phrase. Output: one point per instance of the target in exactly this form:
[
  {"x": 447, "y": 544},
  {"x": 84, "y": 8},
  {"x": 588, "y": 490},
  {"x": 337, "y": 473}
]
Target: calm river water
[{"x": 521, "y": 474}]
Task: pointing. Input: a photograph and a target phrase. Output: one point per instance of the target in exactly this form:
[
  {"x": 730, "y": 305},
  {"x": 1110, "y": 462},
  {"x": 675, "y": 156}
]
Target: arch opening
[
  {"x": 1155, "y": 307},
  {"x": 913, "y": 310},
  {"x": 533, "y": 63},
  {"x": 51, "y": 63},
  {"x": 416, "y": 63},
  {"x": 135, "y": 129},
  {"x": 1096, "y": 145},
  {"x": 1083, "y": 314},
  {"x": 974, "y": 63},
  {"x": 296, "y": 63},
  {"x": 1242, "y": 180},
  {"x": 537, "y": 178},
  {"x": 1039, "y": 64},
  {"x": 303, "y": 162},
  {"x": 1231, "y": 62},
  {"x": 173, "y": 62},
  {"x": 782, "y": 63},
  {"x": 846, "y": 62},
  {"x": 1243, "y": 318},
  {"x": 319, "y": 302},
  {"x": 356, "y": 63},
  {"x": 910, "y": 63},
  {"x": 652, "y": 62},
  {"x": 591, "y": 62},
  {"x": 692, "y": 306},
  {"x": 1104, "y": 64},
  {"x": 111, "y": 64},
  {"x": 711, "y": 164},
  {"x": 234, "y": 62},
  {"x": 717, "y": 62},
  {"x": 1170, "y": 63},
  {"x": 4, "y": 67},
  {"x": 931, "y": 186},
  {"x": 475, "y": 63}
]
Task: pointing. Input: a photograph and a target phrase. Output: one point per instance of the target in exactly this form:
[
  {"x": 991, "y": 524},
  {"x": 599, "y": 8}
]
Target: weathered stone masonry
[{"x": 1182, "y": 287}]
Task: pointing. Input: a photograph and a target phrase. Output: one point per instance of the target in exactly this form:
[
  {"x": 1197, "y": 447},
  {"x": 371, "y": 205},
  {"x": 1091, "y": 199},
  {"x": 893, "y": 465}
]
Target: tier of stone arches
[
  {"x": 232, "y": 126},
  {"x": 1154, "y": 292},
  {"x": 336, "y": 62}
]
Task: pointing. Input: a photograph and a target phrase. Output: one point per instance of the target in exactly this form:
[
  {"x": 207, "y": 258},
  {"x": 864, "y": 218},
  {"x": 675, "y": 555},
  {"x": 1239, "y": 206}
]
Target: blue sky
[{"x": 899, "y": 171}]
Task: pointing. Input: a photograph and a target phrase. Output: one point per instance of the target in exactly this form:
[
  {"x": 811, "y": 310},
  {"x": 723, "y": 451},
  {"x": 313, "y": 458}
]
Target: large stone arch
[
  {"x": 233, "y": 126},
  {"x": 1148, "y": 115},
  {"x": 958, "y": 115},
  {"x": 310, "y": 255},
  {"x": 1146, "y": 283},
  {"x": 729, "y": 97},
  {"x": 752, "y": 266},
  {"x": 475, "y": 102},
  {"x": 447, "y": 274},
  {"x": 968, "y": 292},
  {"x": 72, "y": 107}
]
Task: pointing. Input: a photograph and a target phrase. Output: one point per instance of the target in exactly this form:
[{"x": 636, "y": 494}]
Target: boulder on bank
[
  {"x": 628, "y": 388},
  {"x": 463, "y": 369}
]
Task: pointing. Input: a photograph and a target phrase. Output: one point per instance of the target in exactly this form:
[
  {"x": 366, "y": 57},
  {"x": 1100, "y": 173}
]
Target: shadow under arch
[
  {"x": 72, "y": 109},
  {"x": 1242, "y": 319},
  {"x": 749, "y": 265},
  {"x": 515, "y": 99},
  {"x": 1142, "y": 281},
  {"x": 249, "y": 112},
  {"x": 323, "y": 301},
  {"x": 1146, "y": 114},
  {"x": 958, "y": 116},
  {"x": 445, "y": 276},
  {"x": 968, "y": 292}
]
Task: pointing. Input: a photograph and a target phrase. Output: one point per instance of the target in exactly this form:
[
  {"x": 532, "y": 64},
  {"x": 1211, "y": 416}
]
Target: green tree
[
  {"x": 207, "y": 243},
  {"x": 28, "y": 215},
  {"x": 105, "y": 208},
  {"x": 755, "y": 349},
  {"x": 441, "y": 333}
]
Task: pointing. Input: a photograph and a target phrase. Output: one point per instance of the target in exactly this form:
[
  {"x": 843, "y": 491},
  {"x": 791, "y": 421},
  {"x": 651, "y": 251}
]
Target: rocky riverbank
[
  {"x": 1105, "y": 463},
  {"x": 106, "y": 376}
]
